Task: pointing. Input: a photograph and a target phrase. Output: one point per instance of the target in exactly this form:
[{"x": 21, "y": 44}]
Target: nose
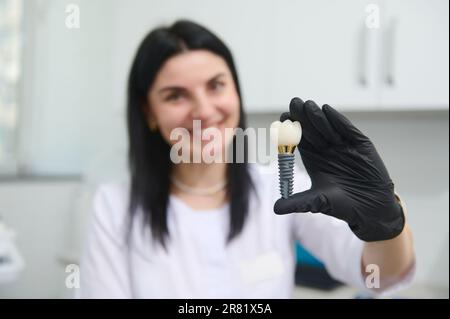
[{"x": 203, "y": 108}]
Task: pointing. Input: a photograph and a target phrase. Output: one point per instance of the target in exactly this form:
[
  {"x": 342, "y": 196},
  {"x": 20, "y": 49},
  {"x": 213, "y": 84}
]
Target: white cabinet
[
  {"x": 312, "y": 49},
  {"x": 324, "y": 50},
  {"x": 415, "y": 54}
]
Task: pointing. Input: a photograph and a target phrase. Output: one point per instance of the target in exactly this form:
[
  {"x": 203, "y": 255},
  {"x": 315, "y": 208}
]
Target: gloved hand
[{"x": 349, "y": 179}]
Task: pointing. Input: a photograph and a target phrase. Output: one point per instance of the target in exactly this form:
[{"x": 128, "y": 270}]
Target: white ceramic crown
[{"x": 289, "y": 133}]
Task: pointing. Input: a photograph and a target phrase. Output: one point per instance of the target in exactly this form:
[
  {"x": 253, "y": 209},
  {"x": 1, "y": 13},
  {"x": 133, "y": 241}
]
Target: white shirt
[{"x": 259, "y": 263}]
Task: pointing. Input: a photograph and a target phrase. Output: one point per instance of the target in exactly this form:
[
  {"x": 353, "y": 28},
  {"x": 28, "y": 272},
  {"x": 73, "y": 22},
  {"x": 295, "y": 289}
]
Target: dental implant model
[{"x": 287, "y": 135}]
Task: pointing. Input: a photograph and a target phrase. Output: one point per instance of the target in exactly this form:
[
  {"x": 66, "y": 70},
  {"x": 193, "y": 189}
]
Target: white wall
[{"x": 67, "y": 114}]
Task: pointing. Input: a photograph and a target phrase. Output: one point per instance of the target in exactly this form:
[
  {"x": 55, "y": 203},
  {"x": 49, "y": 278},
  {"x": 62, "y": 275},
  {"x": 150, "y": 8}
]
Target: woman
[{"x": 208, "y": 230}]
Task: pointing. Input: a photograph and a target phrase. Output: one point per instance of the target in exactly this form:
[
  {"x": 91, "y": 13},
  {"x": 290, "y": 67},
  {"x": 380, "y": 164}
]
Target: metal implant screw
[{"x": 286, "y": 174}]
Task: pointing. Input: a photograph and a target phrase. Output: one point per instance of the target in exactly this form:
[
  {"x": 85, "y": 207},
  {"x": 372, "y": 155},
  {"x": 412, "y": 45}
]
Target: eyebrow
[{"x": 180, "y": 88}]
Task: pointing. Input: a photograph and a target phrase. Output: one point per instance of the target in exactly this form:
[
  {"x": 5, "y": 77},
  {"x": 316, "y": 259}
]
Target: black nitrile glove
[{"x": 349, "y": 179}]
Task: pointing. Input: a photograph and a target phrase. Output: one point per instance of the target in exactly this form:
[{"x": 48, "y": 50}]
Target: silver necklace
[{"x": 206, "y": 191}]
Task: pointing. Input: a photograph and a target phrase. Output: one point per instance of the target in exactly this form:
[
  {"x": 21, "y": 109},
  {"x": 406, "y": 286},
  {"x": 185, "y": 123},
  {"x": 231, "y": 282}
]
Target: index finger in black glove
[
  {"x": 321, "y": 124},
  {"x": 309, "y": 133}
]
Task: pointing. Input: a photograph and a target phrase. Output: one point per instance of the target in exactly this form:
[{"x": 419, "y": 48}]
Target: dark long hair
[{"x": 148, "y": 156}]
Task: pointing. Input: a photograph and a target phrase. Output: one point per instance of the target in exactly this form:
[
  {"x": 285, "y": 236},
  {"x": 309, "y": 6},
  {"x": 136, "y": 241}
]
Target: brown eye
[
  {"x": 216, "y": 85},
  {"x": 173, "y": 97}
]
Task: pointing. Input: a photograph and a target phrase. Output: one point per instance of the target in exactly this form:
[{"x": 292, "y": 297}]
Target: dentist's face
[{"x": 194, "y": 85}]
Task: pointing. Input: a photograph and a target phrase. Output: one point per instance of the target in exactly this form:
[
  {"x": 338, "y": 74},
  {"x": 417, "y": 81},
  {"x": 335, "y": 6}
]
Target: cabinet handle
[
  {"x": 362, "y": 57},
  {"x": 389, "y": 52}
]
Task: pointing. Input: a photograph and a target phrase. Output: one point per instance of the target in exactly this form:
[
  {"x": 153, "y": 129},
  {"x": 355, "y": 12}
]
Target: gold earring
[{"x": 153, "y": 126}]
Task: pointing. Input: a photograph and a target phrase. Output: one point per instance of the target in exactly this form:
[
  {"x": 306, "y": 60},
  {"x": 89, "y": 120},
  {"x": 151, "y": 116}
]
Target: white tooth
[
  {"x": 298, "y": 137},
  {"x": 285, "y": 133},
  {"x": 275, "y": 125},
  {"x": 289, "y": 133},
  {"x": 274, "y": 128}
]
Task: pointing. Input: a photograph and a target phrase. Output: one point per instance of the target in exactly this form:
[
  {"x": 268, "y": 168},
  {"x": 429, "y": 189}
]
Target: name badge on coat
[{"x": 265, "y": 266}]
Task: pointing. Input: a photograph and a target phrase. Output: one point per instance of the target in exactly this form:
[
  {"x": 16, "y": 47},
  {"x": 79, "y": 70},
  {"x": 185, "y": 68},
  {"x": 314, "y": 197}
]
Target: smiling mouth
[{"x": 216, "y": 125}]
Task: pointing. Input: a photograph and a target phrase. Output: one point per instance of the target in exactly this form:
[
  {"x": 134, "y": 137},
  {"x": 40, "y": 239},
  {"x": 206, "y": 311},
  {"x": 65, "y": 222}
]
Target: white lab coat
[{"x": 260, "y": 263}]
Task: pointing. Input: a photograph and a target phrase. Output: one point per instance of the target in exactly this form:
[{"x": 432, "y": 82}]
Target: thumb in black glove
[{"x": 349, "y": 179}]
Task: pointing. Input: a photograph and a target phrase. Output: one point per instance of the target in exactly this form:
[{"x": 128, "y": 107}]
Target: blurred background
[{"x": 63, "y": 71}]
